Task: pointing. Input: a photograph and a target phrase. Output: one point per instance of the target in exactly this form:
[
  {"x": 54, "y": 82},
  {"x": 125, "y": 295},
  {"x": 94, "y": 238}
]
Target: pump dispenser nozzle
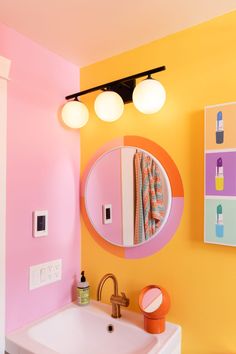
[{"x": 82, "y": 279}]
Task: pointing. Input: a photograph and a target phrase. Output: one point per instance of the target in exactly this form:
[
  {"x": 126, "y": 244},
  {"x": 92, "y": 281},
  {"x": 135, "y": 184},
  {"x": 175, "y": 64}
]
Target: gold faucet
[{"x": 116, "y": 300}]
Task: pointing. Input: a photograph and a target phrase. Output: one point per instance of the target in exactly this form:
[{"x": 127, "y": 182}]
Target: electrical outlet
[{"x": 45, "y": 273}]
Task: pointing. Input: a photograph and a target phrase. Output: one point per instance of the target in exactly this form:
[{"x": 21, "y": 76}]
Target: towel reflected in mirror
[{"x": 149, "y": 201}]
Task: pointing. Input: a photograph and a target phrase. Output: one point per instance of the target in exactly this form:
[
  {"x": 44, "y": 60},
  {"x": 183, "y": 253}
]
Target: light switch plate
[
  {"x": 107, "y": 213},
  {"x": 45, "y": 273},
  {"x": 40, "y": 223}
]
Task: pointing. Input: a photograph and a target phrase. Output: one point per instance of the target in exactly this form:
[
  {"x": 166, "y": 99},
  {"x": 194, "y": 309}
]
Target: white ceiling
[{"x": 86, "y": 31}]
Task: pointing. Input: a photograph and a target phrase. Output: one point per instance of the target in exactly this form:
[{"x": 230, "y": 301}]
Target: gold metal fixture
[{"x": 116, "y": 300}]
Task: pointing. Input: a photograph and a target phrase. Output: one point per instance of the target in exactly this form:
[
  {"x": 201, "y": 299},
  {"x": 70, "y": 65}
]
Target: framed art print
[{"x": 220, "y": 174}]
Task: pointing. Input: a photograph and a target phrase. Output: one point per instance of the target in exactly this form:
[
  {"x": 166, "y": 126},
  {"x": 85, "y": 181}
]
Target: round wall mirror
[
  {"x": 127, "y": 196},
  {"x": 132, "y": 197}
]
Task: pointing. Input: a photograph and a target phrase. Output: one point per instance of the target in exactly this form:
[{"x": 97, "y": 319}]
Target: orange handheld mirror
[{"x": 154, "y": 302}]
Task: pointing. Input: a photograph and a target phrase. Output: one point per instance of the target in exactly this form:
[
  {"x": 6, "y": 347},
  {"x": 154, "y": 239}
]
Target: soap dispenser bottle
[{"x": 83, "y": 291}]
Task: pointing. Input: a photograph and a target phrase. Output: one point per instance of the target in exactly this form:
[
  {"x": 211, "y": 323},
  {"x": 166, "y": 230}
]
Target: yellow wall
[{"x": 201, "y": 278}]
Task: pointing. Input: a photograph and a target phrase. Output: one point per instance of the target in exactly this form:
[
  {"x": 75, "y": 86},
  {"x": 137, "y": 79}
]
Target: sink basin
[{"x": 91, "y": 330}]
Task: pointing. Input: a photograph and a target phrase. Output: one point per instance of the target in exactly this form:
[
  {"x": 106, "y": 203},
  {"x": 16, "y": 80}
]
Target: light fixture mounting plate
[{"x": 124, "y": 89}]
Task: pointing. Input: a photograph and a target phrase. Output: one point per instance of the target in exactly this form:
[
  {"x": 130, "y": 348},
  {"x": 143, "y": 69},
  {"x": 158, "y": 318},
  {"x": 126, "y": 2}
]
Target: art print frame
[{"x": 220, "y": 174}]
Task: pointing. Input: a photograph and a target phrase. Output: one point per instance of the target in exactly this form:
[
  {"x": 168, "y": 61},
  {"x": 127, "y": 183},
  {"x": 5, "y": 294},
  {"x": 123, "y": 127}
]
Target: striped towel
[{"x": 149, "y": 206}]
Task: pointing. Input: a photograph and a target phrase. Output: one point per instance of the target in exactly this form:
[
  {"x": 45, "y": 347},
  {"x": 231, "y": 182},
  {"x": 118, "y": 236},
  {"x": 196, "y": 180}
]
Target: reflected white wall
[{"x": 4, "y": 73}]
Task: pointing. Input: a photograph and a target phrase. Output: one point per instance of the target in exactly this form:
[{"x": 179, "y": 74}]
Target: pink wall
[
  {"x": 42, "y": 173},
  {"x": 104, "y": 187}
]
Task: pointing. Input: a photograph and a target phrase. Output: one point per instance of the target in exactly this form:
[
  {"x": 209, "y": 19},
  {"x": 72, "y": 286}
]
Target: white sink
[{"x": 91, "y": 330}]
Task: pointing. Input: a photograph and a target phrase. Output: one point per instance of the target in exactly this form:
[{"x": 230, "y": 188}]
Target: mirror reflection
[
  {"x": 127, "y": 196},
  {"x": 152, "y": 300}
]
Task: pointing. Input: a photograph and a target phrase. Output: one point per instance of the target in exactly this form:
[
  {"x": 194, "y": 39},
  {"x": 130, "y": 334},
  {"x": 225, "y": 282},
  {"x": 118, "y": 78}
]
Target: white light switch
[{"x": 45, "y": 273}]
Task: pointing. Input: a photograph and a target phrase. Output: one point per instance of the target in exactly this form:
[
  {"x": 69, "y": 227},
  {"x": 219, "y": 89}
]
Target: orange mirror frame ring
[{"x": 177, "y": 203}]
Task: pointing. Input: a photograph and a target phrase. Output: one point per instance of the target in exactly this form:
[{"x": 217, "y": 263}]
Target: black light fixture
[{"x": 148, "y": 97}]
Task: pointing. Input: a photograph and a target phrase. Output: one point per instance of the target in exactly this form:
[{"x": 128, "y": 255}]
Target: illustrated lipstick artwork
[
  {"x": 219, "y": 178},
  {"x": 219, "y": 128},
  {"x": 219, "y": 221}
]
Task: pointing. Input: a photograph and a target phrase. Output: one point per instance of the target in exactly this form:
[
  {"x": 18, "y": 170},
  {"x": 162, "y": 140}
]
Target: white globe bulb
[
  {"x": 109, "y": 106},
  {"x": 149, "y": 96},
  {"x": 75, "y": 114}
]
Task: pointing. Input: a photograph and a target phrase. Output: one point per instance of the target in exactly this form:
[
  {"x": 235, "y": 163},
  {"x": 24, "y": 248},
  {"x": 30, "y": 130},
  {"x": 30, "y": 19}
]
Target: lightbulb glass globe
[
  {"x": 75, "y": 114},
  {"x": 109, "y": 106},
  {"x": 149, "y": 96}
]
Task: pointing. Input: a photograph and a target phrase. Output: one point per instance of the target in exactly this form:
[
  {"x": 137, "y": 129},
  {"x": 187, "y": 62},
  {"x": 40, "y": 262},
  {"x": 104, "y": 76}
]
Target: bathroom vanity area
[{"x": 91, "y": 330}]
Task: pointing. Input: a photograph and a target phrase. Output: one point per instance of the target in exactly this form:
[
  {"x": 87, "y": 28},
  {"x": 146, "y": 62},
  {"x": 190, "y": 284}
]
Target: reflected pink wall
[
  {"x": 42, "y": 173},
  {"x": 104, "y": 187}
]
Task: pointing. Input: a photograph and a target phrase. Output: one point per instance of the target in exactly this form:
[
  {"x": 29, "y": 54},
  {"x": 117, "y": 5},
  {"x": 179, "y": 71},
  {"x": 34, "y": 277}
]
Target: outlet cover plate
[{"x": 45, "y": 273}]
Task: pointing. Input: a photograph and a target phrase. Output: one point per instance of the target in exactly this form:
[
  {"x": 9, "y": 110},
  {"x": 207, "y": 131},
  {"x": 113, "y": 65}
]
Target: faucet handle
[
  {"x": 125, "y": 299},
  {"x": 120, "y": 300}
]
